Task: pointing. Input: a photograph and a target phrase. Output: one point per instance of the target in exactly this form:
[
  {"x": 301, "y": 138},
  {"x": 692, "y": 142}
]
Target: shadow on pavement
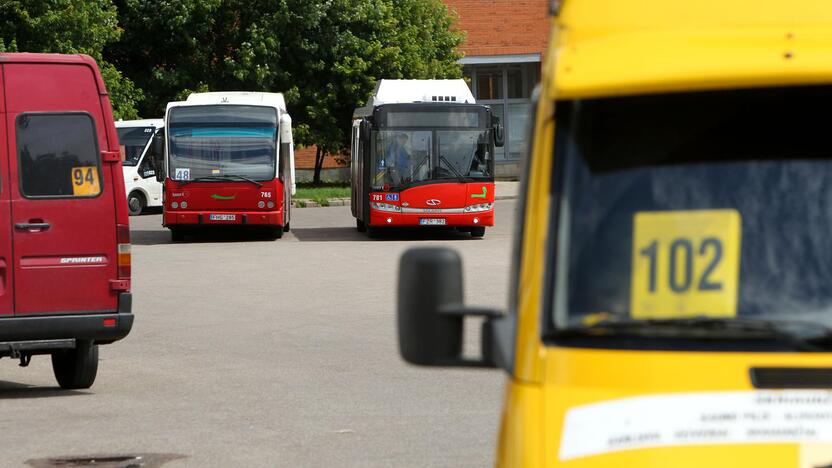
[
  {"x": 350, "y": 234},
  {"x": 205, "y": 235},
  {"x": 330, "y": 234},
  {"x": 151, "y": 210},
  {"x": 154, "y": 237},
  {"x": 14, "y": 390}
]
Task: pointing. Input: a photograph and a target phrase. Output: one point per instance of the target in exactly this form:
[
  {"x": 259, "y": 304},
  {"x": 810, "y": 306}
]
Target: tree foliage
[
  {"x": 338, "y": 55},
  {"x": 324, "y": 55},
  {"x": 69, "y": 27}
]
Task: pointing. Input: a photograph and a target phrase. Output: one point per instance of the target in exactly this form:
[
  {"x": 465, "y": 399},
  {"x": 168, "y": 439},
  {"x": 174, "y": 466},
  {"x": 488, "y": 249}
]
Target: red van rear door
[
  {"x": 63, "y": 207},
  {"x": 6, "y": 292}
]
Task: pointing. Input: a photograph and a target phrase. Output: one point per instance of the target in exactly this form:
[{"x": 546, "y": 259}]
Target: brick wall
[
  {"x": 305, "y": 159},
  {"x": 501, "y": 27}
]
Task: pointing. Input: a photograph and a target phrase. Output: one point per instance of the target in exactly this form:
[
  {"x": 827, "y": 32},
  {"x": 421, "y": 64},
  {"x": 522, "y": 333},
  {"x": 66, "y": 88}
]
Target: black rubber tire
[
  {"x": 76, "y": 368},
  {"x": 176, "y": 235},
  {"x": 360, "y": 226},
  {"x": 373, "y": 232},
  {"x": 136, "y": 203},
  {"x": 288, "y": 203},
  {"x": 477, "y": 231},
  {"x": 275, "y": 232}
]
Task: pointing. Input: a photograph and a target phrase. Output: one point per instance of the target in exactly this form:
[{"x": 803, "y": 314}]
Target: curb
[{"x": 309, "y": 203}]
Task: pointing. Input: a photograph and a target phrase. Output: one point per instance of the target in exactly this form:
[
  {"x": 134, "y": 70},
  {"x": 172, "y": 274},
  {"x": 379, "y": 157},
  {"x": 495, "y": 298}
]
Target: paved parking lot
[{"x": 249, "y": 352}]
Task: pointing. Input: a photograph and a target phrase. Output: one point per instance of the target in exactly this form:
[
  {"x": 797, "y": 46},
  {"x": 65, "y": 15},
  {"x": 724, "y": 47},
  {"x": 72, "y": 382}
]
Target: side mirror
[
  {"x": 431, "y": 313},
  {"x": 365, "y": 129},
  {"x": 499, "y": 135},
  {"x": 157, "y": 155}
]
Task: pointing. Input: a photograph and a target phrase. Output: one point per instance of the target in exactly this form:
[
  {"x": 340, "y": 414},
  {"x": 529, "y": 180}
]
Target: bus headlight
[
  {"x": 386, "y": 207},
  {"x": 479, "y": 208},
  {"x": 174, "y": 205},
  {"x": 184, "y": 205}
]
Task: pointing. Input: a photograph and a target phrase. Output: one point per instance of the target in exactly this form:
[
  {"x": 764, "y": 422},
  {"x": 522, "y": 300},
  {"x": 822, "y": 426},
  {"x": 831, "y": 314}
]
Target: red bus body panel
[
  {"x": 57, "y": 282},
  {"x": 435, "y": 201},
  {"x": 6, "y": 261},
  {"x": 241, "y": 199}
]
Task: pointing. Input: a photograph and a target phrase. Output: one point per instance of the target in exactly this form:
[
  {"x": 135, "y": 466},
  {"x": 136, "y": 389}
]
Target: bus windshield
[
  {"x": 403, "y": 157},
  {"x": 715, "y": 206},
  {"x": 222, "y": 140},
  {"x": 134, "y": 141}
]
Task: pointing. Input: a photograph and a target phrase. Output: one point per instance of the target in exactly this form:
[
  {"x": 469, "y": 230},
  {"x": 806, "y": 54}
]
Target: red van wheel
[{"x": 76, "y": 368}]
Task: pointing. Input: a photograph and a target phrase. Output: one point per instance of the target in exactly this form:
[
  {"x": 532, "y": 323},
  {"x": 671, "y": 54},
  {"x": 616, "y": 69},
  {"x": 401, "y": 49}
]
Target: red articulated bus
[
  {"x": 424, "y": 156},
  {"x": 229, "y": 162}
]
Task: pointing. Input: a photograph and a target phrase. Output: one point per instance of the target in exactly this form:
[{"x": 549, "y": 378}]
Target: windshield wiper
[
  {"x": 222, "y": 178},
  {"x": 203, "y": 179},
  {"x": 459, "y": 176},
  {"x": 239, "y": 177},
  {"x": 815, "y": 337}
]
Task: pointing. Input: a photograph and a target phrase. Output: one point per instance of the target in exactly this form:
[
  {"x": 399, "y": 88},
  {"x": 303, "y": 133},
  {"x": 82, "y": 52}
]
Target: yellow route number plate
[
  {"x": 85, "y": 181},
  {"x": 685, "y": 264}
]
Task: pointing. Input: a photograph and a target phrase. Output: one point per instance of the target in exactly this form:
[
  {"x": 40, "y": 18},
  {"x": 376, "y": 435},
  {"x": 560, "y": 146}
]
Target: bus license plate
[
  {"x": 222, "y": 217},
  {"x": 432, "y": 221}
]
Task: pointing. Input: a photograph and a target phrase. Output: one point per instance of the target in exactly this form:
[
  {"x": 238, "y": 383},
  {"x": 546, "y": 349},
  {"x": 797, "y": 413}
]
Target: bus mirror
[
  {"x": 365, "y": 128},
  {"x": 499, "y": 135},
  {"x": 430, "y": 309},
  {"x": 429, "y": 278},
  {"x": 157, "y": 155}
]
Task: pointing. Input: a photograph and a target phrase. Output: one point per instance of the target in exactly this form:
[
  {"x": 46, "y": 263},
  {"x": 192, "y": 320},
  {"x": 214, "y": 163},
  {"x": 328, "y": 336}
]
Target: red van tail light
[{"x": 124, "y": 255}]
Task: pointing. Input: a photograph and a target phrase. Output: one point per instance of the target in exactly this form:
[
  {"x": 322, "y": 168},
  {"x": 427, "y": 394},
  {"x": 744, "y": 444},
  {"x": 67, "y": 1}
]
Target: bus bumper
[
  {"x": 385, "y": 218},
  {"x": 219, "y": 218}
]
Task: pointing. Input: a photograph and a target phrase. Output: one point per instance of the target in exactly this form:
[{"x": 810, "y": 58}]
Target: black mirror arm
[
  {"x": 498, "y": 331},
  {"x": 460, "y": 310}
]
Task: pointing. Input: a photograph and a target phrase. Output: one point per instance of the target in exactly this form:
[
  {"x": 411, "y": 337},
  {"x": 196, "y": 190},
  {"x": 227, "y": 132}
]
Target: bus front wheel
[
  {"x": 360, "y": 226},
  {"x": 176, "y": 235},
  {"x": 477, "y": 231},
  {"x": 275, "y": 232},
  {"x": 136, "y": 203}
]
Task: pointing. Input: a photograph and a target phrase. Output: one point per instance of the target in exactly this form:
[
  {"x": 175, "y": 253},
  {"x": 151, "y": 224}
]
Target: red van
[{"x": 65, "y": 248}]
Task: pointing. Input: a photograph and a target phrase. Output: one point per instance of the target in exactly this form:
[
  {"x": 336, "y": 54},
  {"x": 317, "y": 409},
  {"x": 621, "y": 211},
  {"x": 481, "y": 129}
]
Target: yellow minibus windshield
[{"x": 709, "y": 205}]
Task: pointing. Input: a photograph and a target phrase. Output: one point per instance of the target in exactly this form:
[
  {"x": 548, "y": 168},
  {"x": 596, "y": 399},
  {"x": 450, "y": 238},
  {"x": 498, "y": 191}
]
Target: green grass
[{"x": 323, "y": 192}]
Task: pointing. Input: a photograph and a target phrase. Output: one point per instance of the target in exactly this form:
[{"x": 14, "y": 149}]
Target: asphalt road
[{"x": 249, "y": 352}]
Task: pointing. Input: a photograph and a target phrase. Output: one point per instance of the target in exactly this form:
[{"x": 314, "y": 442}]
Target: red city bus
[
  {"x": 424, "y": 156},
  {"x": 229, "y": 162}
]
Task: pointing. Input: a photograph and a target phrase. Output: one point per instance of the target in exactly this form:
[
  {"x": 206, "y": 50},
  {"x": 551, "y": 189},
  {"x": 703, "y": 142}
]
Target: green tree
[
  {"x": 171, "y": 47},
  {"x": 69, "y": 27},
  {"x": 324, "y": 55},
  {"x": 355, "y": 45}
]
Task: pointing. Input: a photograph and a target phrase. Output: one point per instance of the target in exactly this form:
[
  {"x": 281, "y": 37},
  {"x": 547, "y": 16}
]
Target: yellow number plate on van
[
  {"x": 685, "y": 264},
  {"x": 85, "y": 181}
]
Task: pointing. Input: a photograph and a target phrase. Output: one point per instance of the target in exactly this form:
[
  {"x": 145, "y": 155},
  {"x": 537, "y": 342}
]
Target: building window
[
  {"x": 507, "y": 90},
  {"x": 489, "y": 84}
]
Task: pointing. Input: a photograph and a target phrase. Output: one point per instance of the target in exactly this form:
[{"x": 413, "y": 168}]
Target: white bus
[{"x": 140, "y": 184}]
